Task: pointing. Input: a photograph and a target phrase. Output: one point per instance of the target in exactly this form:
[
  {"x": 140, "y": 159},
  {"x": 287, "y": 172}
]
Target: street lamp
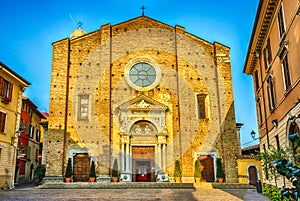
[{"x": 253, "y": 134}]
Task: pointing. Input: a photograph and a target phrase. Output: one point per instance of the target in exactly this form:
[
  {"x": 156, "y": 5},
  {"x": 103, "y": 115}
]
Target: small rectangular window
[
  {"x": 2, "y": 121},
  {"x": 38, "y": 135},
  {"x": 83, "y": 109},
  {"x": 201, "y": 106},
  {"x": 31, "y": 131}
]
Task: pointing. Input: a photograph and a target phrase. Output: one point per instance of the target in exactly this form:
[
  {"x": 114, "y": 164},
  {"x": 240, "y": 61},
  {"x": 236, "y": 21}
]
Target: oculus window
[{"x": 142, "y": 74}]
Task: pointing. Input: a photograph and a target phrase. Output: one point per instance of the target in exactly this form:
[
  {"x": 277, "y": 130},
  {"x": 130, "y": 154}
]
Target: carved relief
[
  {"x": 133, "y": 114},
  {"x": 143, "y": 104}
]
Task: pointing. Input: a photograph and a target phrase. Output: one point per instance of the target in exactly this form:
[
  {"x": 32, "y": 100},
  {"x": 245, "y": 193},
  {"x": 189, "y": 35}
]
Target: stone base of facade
[
  {"x": 53, "y": 179},
  {"x": 5, "y": 182},
  {"x": 104, "y": 178}
]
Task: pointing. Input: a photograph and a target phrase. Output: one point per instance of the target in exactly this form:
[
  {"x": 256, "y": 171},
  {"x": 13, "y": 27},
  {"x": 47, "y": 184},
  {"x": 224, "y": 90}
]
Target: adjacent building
[
  {"x": 12, "y": 87},
  {"x": 146, "y": 94},
  {"x": 29, "y": 146},
  {"x": 249, "y": 168},
  {"x": 273, "y": 61}
]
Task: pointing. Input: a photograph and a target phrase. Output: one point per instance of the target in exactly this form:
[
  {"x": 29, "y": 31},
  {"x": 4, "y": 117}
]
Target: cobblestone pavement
[{"x": 30, "y": 193}]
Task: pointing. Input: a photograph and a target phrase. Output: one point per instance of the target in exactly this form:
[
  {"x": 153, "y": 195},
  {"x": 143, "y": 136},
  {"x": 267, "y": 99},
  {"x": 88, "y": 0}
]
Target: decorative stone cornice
[{"x": 265, "y": 13}]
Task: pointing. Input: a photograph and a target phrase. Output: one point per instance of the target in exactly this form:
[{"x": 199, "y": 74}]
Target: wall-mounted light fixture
[
  {"x": 253, "y": 134},
  {"x": 275, "y": 122}
]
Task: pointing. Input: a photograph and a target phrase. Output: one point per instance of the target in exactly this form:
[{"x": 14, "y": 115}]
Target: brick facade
[{"x": 96, "y": 66}]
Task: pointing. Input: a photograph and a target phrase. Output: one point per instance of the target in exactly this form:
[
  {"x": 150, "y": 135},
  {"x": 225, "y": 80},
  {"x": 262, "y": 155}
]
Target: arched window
[{"x": 294, "y": 128}]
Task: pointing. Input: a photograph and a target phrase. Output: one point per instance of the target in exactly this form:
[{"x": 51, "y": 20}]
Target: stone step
[
  {"x": 232, "y": 186},
  {"x": 150, "y": 185},
  {"x": 118, "y": 185}
]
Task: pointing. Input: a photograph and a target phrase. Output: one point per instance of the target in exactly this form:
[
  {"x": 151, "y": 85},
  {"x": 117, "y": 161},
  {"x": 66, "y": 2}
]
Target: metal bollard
[{"x": 258, "y": 186}]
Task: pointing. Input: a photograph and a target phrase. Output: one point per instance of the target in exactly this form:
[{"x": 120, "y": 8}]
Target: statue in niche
[
  {"x": 138, "y": 130},
  {"x": 147, "y": 129}
]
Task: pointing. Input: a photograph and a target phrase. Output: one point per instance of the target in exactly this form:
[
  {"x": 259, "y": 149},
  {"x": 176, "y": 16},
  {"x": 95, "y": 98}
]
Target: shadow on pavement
[{"x": 247, "y": 194}]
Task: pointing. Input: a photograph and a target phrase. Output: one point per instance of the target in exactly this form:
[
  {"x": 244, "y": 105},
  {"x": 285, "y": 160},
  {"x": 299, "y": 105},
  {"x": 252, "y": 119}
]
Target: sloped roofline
[
  {"x": 3, "y": 66},
  {"x": 33, "y": 107},
  {"x": 171, "y": 27},
  {"x": 263, "y": 18}
]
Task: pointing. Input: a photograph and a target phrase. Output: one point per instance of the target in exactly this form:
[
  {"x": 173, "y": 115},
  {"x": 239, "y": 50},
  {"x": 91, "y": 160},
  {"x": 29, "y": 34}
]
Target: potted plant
[
  {"x": 220, "y": 171},
  {"x": 93, "y": 172},
  {"x": 115, "y": 172},
  {"x": 68, "y": 173},
  {"x": 177, "y": 172},
  {"x": 39, "y": 173},
  {"x": 197, "y": 171}
]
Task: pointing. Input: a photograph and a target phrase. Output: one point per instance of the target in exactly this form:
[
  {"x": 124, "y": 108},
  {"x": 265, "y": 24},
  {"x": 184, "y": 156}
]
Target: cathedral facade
[{"x": 145, "y": 94}]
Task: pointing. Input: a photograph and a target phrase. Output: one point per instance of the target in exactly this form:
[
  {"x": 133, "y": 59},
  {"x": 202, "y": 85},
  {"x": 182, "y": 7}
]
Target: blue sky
[{"x": 28, "y": 29}]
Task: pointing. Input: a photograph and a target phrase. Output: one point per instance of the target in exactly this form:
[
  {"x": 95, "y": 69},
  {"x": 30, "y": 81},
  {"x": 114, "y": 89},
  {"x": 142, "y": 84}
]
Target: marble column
[
  {"x": 163, "y": 157},
  {"x": 127, "y": 157},
  {"x": 159, "y": 156},
  {"x": 122, "y": 158}
]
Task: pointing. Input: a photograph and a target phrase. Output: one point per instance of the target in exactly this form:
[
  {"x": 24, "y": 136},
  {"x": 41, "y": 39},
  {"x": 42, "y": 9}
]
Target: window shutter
[
  {"x": 10, "y": 91},
  {"x": 2, "y": 87},
  {"x": 2, "y": 121},
  {"x": 38, "y": 135}
]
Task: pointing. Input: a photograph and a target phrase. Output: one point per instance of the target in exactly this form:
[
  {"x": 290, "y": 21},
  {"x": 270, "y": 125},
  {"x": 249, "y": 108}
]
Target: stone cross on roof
[
  {"x": 143, "y": 9},
  {"x": 79, "y": 24}
]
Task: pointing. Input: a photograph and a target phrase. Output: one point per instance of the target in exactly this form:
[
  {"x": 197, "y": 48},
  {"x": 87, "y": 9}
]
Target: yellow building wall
[
  {"x": 243, "y": 166},
  {"x": 8, "y": 138}
]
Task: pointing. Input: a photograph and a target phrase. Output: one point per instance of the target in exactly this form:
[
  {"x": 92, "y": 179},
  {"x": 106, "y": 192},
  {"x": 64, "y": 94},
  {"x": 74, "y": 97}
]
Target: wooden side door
[
  {"x": 81, "y": 167},
  {"x": 252, "y": 175},
  {"x": 207, "y": 168}
]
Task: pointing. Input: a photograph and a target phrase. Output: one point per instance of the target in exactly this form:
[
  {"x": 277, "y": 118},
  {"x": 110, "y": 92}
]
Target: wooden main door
[
  {"x": 207, "y": 168},
  {"x": 143, "y": 163},
  {"x": 81, "y": 167}
]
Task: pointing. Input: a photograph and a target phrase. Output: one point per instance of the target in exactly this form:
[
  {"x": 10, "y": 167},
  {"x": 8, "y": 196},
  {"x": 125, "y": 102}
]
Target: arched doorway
[
  {"x": 143, "y": 152},
  {"x": 207, "y": 168},
  {"x": 252, "y": 172}
]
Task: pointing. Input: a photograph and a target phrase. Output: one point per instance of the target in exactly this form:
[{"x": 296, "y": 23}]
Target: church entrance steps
[
  {"x": 232, "y": 186},
  {"x": 119, "y": 185},
  {"x": 142, "y": 185}
]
